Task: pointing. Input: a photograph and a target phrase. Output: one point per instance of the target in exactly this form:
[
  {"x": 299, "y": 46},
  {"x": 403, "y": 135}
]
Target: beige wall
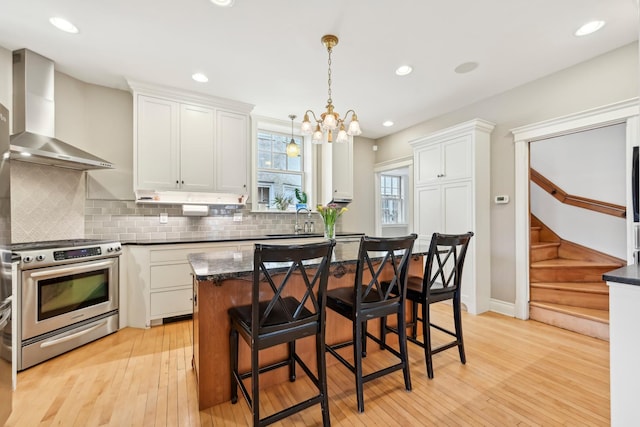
[
  {"x": 5, "y": 78},
  {"x": 98, "y": 120},
  {"x": 603, "y": 80}
]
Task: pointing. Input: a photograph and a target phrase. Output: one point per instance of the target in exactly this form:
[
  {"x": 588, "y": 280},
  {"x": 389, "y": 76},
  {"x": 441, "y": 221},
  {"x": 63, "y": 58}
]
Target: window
[
  {"x": 392, "y": 198},
  {"x": 276, "y": 172}
]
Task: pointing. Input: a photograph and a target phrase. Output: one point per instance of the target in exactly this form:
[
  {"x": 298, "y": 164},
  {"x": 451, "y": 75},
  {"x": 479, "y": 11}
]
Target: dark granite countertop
[
  {"x": 629, "y": 275},
  {"x": 184, "y": 240},
  {"x": 220, "y": 265}
]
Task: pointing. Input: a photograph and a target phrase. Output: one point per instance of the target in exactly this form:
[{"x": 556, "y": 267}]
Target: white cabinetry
[
  {"x": 159, "y": 281},
  {"x": 191, "y": 143},
  {"x": 232, "y": 152},
  {"x": 452, "y": 196},
  {"x": 337, "y": 171}
]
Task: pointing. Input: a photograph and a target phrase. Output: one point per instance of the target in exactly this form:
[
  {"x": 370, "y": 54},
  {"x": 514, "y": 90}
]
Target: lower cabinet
[
  {"x": 156, "y": 280},
  {"x": 159, "y": 280}
]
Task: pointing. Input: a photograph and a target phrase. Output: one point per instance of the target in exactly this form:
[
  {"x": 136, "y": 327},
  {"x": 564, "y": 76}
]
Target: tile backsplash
[
  {"x": 128, "y": 221},
  {"x": 47, "y": 203}
]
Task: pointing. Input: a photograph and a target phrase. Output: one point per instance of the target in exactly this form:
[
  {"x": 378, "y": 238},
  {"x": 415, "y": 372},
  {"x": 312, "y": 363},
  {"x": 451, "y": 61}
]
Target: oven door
[{"x": 59, "y": 296}]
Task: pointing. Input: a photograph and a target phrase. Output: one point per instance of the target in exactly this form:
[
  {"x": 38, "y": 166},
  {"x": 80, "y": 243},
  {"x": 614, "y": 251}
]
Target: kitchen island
[
  {"x": 223, "y": 280},
  {"x": 624, "y": 344}
]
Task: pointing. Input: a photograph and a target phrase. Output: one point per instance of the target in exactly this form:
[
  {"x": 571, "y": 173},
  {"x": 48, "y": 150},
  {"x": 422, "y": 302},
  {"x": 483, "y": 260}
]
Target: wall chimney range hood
[{"x": 34, "y": 118}]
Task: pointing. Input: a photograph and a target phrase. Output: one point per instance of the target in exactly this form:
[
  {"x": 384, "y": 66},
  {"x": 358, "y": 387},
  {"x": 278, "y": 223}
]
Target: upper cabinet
[
  {"x": 444, "y": 160},
  {"x": 188, "y": 142},
  {"x": 337, "y": 171}
]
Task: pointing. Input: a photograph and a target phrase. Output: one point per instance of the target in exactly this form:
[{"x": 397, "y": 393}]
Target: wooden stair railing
[{"x": 578, "y": 201}]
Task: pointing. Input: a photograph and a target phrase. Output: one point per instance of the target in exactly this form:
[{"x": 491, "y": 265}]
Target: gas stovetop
[{"x": 54, "y": 252}]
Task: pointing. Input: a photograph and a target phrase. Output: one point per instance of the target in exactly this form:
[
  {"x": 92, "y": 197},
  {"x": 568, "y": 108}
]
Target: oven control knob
[
  {"x": 109, "y": 249},
  {"x": 117, "y": 249},
  {"x": 40, "y": 257},
  {"x": 27, "y": 259}
]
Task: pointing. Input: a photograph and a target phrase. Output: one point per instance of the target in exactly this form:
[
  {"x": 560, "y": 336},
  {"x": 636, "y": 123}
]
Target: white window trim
[
  {"x": 383, "y": 167},
  {"x": 310, "y": 176}
]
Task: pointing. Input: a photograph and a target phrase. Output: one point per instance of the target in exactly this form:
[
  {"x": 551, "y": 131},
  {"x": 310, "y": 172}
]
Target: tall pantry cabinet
[{"x": 452, "y": 196}]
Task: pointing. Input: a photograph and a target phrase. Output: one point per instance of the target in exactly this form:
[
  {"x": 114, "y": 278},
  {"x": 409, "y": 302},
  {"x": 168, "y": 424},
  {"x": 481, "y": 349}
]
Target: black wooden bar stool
[
  {"x": 367, "y": 300},
  {"x": 441, "y": 281},
  {"x": 288, "y": 312}
]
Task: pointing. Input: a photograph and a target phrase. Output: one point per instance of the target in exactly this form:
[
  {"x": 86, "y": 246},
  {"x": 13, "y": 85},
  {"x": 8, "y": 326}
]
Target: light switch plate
[
  {"x": 164, "y": 218},
  {"x": 237, "y": 216}
]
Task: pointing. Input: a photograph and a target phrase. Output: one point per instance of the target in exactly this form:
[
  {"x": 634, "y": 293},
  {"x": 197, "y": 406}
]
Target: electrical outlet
[
  {"x": 237, "y": 216},
  {"x": 164, "y": 218}
]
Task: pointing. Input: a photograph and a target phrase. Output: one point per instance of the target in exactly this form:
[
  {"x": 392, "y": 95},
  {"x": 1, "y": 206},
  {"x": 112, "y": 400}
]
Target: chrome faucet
[{"x": 296, "y": 228}]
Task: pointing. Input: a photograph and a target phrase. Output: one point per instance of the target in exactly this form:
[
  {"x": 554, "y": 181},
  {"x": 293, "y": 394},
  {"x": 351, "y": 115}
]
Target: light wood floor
[{"x": 518, "y": 373}]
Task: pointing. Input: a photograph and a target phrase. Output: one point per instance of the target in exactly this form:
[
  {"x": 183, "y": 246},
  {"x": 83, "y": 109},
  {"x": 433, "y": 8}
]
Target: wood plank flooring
[{"x": 518, "y": 373}]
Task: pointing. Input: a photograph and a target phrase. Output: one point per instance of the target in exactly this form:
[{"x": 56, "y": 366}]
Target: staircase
[{"x": 566, "y": 286}]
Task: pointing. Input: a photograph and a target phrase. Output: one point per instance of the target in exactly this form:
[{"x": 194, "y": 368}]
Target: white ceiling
[{"x": 268, "y": 52}]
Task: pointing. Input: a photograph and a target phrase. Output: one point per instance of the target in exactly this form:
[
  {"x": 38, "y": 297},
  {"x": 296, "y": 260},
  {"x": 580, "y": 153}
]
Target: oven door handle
[
  {"x": 61, "y": 340},
  {"x": 70, "y": 269}
]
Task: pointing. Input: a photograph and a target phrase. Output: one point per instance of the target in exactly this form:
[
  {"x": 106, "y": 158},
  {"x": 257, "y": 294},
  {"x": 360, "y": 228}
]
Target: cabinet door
[
  {"x": 457, "y": 208},
  {"x": 232, "y": 151},
  {"x": 196, "y": 148},
  {"x": 428, "y": 211},
  {"x": 456, "y": 158},
  {"x": 444, "y": 208},
  {"x": 156, "y": 155},
  {"x": 342, "y": 170},
  {"x": 428, "y": 164},
  {"x": 444, "y": 161}
]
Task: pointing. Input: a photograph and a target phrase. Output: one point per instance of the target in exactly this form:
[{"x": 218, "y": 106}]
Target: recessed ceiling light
[
  {"x": 200, "y": 78},
  {"x": 223, "y": 3},
  {"x": 589, "y": 27},
  {"x": 466, "y": 67},
  {"x": 387, "y": 123},
  {"x": 403, "y": 70},
  {"x": 25, "y": 154},
  {"x": 63, "y": 24}
]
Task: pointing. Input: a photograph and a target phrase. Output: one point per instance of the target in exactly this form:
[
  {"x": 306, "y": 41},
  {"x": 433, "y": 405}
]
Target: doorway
[
  {"x": 626, "y": 113},
  {"x": 393, "y": 184}
]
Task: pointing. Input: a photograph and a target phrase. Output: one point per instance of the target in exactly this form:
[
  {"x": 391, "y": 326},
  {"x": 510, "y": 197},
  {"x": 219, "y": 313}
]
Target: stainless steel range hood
[{"x": 34, "y": 117}]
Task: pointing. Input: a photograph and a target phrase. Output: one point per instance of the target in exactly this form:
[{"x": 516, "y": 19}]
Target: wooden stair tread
[
  {"x": 601, "y": 316},
  {"x": 568, "y": 263},
  {"x": 586, "y": 287},
  {"x": 539, "y": 245}
]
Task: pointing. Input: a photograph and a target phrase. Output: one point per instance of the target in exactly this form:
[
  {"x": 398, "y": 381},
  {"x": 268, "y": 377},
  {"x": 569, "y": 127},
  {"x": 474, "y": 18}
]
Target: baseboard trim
[{"x": 502, "y": 307}]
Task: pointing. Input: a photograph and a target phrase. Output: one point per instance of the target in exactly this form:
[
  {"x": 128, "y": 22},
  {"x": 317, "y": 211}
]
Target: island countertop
[
  {"x": 221, "y": 239},
  {"x": 218, "y": 266},
  {"x": 629, "y": 274}
]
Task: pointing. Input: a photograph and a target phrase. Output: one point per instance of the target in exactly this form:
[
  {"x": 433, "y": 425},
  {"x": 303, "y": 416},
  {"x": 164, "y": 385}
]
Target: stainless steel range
[{"x": 68, "y": 296}]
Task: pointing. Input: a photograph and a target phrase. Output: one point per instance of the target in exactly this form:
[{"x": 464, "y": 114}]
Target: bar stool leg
[
  {"x": 255, "y": 387},
  {"x": 357, "y": 359},
  {"x": 233, "y": 359},
  {"x": 292, "y": 361},
  {"x": 426, "y": 332}
]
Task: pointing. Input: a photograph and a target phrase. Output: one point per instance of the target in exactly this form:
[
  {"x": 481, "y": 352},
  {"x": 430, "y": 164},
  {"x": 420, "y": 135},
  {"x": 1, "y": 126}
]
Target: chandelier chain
[{"x": 329, "y": 100}]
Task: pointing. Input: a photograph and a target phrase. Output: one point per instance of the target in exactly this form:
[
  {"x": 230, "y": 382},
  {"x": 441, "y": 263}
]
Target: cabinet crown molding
[
  {"x": 149, "y": 89},
  {"x": 477, "y": 125}
]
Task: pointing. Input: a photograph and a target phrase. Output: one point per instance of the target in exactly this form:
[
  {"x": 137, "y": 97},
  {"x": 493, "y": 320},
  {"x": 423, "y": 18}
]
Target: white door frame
[
  {"x": 620, "y": 112},
  {"x": 387, "y": 166}
]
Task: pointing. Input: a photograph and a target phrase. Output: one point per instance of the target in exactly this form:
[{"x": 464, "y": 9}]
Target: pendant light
[{"x": 292, "y": 148}]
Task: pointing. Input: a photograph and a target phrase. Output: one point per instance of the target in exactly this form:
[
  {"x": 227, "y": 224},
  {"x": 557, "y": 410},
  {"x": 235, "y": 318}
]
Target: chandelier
[{"x": 330, "y": 120}]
